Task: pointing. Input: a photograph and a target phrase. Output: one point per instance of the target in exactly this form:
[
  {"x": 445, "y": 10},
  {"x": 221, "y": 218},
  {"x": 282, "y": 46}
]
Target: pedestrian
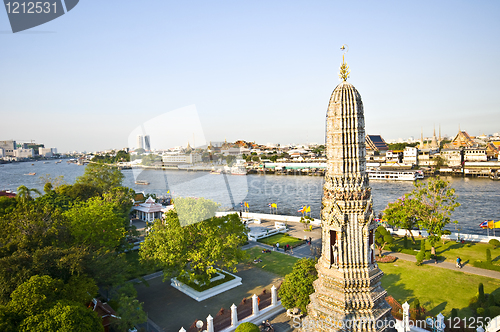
[
  {"x": 310, "y": 240},
  {"x": 277, "y": 246},
  {"x": 291, "y": 250},
  {"x": 459, "y": 263}
]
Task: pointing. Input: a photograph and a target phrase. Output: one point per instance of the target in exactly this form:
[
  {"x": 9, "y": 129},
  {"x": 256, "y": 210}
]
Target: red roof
[{"x": 7, "y": 193}]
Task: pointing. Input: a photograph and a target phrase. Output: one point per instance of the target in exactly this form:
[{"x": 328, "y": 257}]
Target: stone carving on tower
[{"x": 348, "y": 294}]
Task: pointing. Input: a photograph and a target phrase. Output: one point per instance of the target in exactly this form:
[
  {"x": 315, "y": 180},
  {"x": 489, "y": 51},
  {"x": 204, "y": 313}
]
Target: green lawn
[
  {"x": 275, "y": 262},
  {"x": 282, "y": 239},
  {"x": 468, "y": 251},
  {"x": 438, "y": 289}
]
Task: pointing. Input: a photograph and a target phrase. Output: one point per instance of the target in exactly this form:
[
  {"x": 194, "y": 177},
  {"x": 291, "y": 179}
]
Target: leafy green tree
[
  {"x": 256, "y": 158},
  {"x": 63, "y": 317},
  {"x": 79, "y": 191},
  {"x": 129, "y": 309},
  {"x": 24, "y": 193},
  {"x": 196, "y": 250},
  {"x": 401, "y": 214},
  {"x": 7, "y": 205},
  {"x": 382, "y": 238},
  {"x": 122, "y": 156},
  {"x": 95, "y": 224},
  {"x": 102, "y": 177},
  {"x": 298, "y": 285},
  {"x": 433, "y": 203},
  {"x": 191, "y": 210}
]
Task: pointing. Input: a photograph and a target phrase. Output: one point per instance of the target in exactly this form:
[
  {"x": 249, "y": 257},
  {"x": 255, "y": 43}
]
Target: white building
[
  {"x": 177, "y": 158},
  {"x": 476, "y": 154},
  {"x": 410, "y": 155},
  {"x": 23, "y": 153},
  {"x": 150, "y": 210},
  {"x": 451, "y": 156},
  {"x": 45, "y": 152},
  {"x": 1, "y": 153}
]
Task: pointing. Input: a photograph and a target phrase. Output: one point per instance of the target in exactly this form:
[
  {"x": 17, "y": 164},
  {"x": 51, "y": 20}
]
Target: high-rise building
[
  {"x": 8, "y": 147},
  {"x": 140, "y": 144},
  {"x": 348, "y": 288},
  {"x": 147, "y": 143}
]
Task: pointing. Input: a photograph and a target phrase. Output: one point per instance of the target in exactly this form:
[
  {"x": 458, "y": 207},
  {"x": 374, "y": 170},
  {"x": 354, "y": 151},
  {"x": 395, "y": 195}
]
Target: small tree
[
  {"x": 298, "y": 285},
  {"x": 382, "y": 238},
  {"x": 480, "y": 297},
  {"x": 401, "y": 214},
  {"x": 433, "y": 203},
  {"x": 488, "y": 255}
]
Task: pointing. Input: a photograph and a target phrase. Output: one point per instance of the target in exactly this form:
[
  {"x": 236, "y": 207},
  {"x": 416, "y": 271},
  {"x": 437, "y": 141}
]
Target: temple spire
[{"x": 344, "y": 68}]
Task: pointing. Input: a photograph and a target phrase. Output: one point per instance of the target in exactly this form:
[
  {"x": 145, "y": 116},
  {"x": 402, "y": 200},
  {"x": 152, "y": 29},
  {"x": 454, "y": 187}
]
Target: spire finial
[{"x": 344, "y": 68}]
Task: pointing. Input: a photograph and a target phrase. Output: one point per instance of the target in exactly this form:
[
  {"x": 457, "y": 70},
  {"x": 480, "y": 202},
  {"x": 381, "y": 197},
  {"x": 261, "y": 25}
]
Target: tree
[
  {"x": 433, "y": 203},
  {"x": 382, "y": 238},
  {"x": 298, "y": 285},
  {"x": 24, "y": 193},
  {"x": 95, "y": 224},
  {"x": 401, "y": 214},
  {"x": 195, "y": 250},
  {"x": 63, "y": 317},
  {"x": 129, "y": 309},
  {"x": 101, "y": 176}
]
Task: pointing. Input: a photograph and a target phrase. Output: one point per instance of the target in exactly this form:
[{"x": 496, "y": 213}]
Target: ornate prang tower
[{"x": 348, "y": 287}]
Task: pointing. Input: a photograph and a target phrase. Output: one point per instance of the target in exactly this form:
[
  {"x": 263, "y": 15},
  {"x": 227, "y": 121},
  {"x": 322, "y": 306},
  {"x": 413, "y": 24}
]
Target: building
[
  {"x": 147, "y": 143},
  {"x": 150, "y": 210},
  {"x": 45, "y": 152},
  {"x": 8, "y": 148},
  {"x": 23, "y": 153},
  {"x": 410, "y": 155},
  {"x": 178, "y": 158},
  {"x": 348, "y": 287},
  {"x": 1, "y": 153},
  {"x": 375, "y": 143},
  {"x": 140, "y": 144}
]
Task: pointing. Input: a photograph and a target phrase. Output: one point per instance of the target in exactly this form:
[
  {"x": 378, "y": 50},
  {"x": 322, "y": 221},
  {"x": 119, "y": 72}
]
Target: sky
[{"x": 256, "y": 70}]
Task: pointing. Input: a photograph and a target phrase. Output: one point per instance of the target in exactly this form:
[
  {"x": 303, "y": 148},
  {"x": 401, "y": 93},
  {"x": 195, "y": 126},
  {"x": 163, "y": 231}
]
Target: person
[
  {"x": 310, "y": 240},
  {"x": 459, "y": 262},
  {"x": 277, "y": 246}
]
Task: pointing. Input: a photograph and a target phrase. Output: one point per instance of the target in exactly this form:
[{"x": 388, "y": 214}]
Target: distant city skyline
[{"x": 257, "y": 71}]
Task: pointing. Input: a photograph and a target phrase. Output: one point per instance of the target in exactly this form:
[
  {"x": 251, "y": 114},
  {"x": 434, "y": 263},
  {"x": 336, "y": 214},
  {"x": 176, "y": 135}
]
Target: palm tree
[{"x": 24, "y": 193}]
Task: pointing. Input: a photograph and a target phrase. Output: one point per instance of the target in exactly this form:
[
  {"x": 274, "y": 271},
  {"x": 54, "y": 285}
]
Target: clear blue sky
[{"x": 255, "y": 70}]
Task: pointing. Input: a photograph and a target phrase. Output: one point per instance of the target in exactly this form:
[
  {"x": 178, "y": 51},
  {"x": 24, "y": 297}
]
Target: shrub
[
  {"x": 495, "y": 243},
  {"x": 494, "y": 311},
  {"x": 428, "y": 255},
  {"x": 488, "y": 255},
  {"x": 247, "y": 327},
  {"x": 480, "y": 312},
  {"x": 454, "y": 313},
  {"x": 416, "y": 304},
  {"x": 422, "y": 245},
  {"x": 420, "y": 257},
  {"x": 491, "y": 300},
  {"x": 385, "y": 259},
  {"x": 405, "y": 242},
  {"x": 480, "y": 297}
]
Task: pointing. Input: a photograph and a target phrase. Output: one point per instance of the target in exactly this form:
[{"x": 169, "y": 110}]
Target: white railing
[{"x": 452, "y": 236}]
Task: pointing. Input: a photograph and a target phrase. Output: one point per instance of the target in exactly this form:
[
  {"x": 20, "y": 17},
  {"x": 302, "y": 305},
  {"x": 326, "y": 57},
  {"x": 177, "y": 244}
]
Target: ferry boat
[
  {"x": 407, "y": 175},
  {"x": 239, "y": 168},
  {"x": 30, "y": 174},
  {"x": 142, "y": 182}
]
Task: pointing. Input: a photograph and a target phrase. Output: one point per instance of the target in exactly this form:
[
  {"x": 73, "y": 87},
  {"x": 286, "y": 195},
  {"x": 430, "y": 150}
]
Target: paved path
[{"x": 448, "y": 265}]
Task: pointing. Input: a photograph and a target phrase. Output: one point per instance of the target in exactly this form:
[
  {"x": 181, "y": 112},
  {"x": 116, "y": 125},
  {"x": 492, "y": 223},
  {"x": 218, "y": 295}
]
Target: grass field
[
  {"x": 275, "y": 262},
  {"x": 468, "y": 251},
  {"x": 282, "y": 239},
  {"x": 438, "y": 289}
]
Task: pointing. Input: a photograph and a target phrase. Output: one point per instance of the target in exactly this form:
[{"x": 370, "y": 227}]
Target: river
[{"x": 479, "y": 198}]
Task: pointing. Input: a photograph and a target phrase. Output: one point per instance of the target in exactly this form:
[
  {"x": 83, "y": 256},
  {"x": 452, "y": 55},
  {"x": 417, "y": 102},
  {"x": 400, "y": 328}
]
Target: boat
[
  {"x": 45, "y": 162},
  {"x": 30, "y": 174},
  {"x": 239, "y": 168},
  {"x": 142, "y": 182},
  {"x": 58, "y": 162},
  {"x": 407, "y": 175},
  {"x": 215, "y": 171}
]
